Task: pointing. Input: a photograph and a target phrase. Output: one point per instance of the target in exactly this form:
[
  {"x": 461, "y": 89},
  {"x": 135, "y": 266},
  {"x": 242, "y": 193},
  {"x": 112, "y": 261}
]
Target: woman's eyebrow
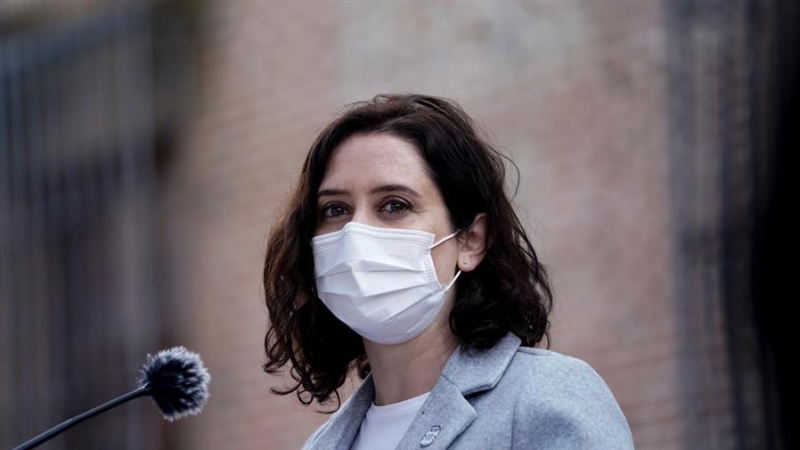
[
  {"x": 325, "y": 192},
  {"x": 376, "y": 190},
  {"x": 394, "y": 188}
]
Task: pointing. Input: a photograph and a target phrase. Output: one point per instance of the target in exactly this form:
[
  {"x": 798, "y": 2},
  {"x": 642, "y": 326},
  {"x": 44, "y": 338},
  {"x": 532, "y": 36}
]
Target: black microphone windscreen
[{"x": 177, "y": 381}]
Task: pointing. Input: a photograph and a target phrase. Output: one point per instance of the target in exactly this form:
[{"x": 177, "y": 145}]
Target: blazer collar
[
  {"x": 473, "y": 370},
  {"x": 445, "y": 414},
  {"x": 341, "y": 429}
]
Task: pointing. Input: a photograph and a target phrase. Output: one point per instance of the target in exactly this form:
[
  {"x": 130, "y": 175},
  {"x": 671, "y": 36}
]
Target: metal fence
[{"x": 79, "y": 294}]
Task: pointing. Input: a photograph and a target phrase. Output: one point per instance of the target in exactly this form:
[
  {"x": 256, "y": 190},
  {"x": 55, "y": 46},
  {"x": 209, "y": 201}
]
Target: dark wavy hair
[{"x": 507, "y": 292}]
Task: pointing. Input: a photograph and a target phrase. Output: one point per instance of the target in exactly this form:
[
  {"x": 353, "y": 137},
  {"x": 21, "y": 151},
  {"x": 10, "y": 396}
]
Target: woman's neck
[{"x": 404, "y": 371}]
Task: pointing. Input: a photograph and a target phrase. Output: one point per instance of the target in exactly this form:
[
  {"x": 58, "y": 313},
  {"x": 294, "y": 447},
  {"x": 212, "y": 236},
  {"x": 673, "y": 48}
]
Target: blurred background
[{"x": 146, "y": 148}]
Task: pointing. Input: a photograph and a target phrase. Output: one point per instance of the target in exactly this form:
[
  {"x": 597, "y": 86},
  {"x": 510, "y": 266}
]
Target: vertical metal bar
[
  {"x": 90, "y": 337},
  {"x": 98, "y": 308},
  {"x": 74, "y": 210},
  {"x": 17, "y": 222},
  {"x": 54, "y": 234},
  {"x": 6, "y": 318},
  {"x": 131, "y": 75},
  {"x": 47, "y": 275},
  {"x": 35, "y": 278},
  {"x": 83, "y": 311}
]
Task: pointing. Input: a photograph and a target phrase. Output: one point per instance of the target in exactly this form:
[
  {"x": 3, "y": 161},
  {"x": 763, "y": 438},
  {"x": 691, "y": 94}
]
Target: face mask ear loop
[
  {"x": 444, "y": 239},
  {"x": 450, "y": 284}
]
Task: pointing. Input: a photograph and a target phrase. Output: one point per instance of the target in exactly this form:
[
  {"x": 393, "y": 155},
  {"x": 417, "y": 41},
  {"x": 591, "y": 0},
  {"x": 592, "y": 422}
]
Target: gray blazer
[{"x": 506, "y": 397}]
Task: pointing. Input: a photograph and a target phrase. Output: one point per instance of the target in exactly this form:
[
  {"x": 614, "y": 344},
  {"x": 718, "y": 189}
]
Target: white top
[{"x": 384, "y": 426}]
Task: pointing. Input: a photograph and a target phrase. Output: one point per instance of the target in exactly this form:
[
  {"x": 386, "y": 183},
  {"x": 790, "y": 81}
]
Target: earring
[{"x": 466, "y": 262}]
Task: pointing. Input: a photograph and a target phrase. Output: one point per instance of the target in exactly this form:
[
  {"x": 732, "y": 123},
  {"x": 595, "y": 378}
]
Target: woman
[{"x": 400, "y": 256}]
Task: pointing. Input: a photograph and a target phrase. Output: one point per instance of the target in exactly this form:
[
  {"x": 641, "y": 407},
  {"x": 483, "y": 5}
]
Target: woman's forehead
[{"x": 367, "y": 160}]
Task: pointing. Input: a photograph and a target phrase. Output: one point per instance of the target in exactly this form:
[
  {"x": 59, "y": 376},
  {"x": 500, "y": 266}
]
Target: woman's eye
[
  {"x": 395, "y": 206},
  {"x": 333, "y": 211}
]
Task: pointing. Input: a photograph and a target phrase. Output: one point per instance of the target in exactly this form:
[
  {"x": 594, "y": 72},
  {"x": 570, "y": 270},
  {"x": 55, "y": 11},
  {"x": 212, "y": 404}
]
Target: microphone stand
[{"x": 69, "y": 423}]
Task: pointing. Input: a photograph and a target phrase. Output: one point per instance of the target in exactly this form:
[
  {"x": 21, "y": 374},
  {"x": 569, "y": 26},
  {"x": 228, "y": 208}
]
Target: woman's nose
[{"x": 364, "y": 216}]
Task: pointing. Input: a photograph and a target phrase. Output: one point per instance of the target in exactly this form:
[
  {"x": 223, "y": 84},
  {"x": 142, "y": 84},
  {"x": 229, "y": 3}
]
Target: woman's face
[{"x": 381, "y": 180}]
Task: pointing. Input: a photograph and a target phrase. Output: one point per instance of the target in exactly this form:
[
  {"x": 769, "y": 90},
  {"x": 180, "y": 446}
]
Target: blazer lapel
[
  {"x": 342, "y": 428},
  {"x": 443, "y": 417},
  {"x": 446, "y": 413}
]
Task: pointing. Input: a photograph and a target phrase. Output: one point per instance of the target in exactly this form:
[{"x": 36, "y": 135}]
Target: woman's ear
[{"x": 472, "y": 244}]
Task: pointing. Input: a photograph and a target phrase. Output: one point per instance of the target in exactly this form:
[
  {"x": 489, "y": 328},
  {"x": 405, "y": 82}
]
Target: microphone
[{"x": 175, "y": 379}]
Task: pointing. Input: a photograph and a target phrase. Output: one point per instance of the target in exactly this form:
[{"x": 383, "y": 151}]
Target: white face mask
[{"x": 380, "y": 282}]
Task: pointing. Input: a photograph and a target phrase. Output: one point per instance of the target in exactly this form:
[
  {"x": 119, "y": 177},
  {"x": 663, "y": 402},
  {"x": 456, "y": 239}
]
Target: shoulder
[
  {"x": 552, "y": 369},
  {"x": 331, "y": 427},
  {"x": 544, "y": 377},
  {"x": 344, "y": 423},
  {"x": 313, "y": 438},
  {"x": 562, "y": 399}
]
